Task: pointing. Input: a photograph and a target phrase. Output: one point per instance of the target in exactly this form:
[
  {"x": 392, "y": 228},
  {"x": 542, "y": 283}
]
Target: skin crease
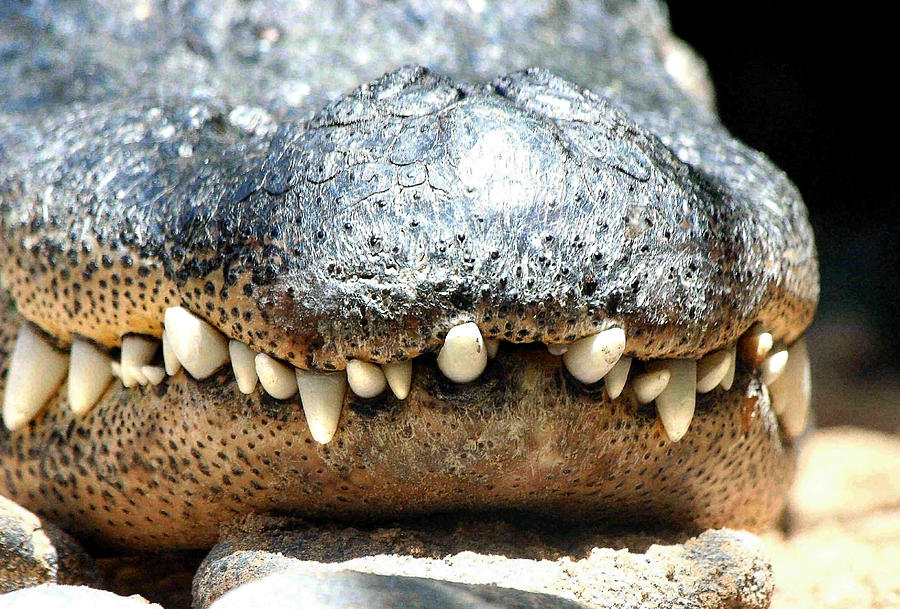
[{"x": 697, "y": 238}]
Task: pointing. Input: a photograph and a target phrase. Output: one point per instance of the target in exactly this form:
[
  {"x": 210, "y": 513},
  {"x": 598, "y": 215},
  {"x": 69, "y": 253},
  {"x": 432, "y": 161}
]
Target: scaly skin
[{"x": 367, "y": 229}]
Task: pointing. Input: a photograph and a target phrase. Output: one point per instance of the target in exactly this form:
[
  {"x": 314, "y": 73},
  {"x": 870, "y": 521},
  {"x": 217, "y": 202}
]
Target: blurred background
[{"x": 811, "y": 88}]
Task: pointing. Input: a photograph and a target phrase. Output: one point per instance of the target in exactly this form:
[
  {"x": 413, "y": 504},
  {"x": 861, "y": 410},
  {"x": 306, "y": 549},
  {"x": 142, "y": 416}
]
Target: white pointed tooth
[
  {"x": 590, "y": 358},
  {"x": 153, "y": 374},
  {"x": 773, "y": 366},
  {"x": 365, "y": 378},
  {"x": 199, "y": 347},
  {"x": 277, "y": 379},
  {"x": 676, "y": 402},
  {"x": 728, "y": 379},
  {"x": 137, "y": 351},
  {"x": 322, "y": 395},
  {"x": 116, "y": 369},
  {"x": 711, "y": 369},
  {"x": 89, "y": 375},
  {"x": 399, "y": 377},
  {"x": 169, "y": 359},
  {"x": 243, "y": 362},
  {"x": 650, "y": 384},
  {"x": 492, "y": 345},
  {"x": 616, "y": 378},
  {"x": 557, "y": 349},
  {"x": 463, "y": 357},
  {"x": 754, "y": 346},
  {"x": 790, "y": 392},
  {"x": 35, "y": 371}
]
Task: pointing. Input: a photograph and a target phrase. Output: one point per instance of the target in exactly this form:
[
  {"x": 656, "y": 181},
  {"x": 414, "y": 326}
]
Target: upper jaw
[{"x": 530, "y": 207}]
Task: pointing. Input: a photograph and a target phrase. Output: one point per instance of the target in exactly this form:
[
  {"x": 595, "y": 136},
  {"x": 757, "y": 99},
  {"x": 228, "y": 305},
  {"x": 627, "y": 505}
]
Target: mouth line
[{"x": 598, "y": 362}]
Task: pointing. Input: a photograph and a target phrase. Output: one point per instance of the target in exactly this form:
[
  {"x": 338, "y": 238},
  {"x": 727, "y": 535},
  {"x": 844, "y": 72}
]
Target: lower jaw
[{"x": 166, "y": 466}]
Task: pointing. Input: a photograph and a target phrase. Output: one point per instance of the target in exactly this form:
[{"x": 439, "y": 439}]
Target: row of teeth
[{"x": 37, "y": 369}]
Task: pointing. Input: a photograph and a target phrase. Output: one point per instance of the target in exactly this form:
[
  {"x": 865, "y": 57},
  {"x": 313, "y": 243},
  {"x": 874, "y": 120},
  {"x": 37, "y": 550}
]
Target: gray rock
[
  {"x": 33, "y": 552},
  {"x": 474, "y": 563}
]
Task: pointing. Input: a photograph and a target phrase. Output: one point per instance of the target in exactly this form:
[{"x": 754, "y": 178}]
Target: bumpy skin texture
[{"x": 367, "y": 228}]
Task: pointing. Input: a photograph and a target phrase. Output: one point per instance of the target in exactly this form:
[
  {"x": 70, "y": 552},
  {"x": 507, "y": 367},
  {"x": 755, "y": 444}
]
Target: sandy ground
[{"x": 842, "y": 545}]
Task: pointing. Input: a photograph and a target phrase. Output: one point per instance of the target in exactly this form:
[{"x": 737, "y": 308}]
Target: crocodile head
[{"x": 432, "y": 294}]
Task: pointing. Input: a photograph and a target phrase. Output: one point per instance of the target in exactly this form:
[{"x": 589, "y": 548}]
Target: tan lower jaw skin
[{"x": 37, "y": 371}]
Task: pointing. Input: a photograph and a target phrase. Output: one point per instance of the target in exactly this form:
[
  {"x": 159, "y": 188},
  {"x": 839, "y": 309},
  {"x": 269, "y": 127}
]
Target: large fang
[
  {"x": 243, "y": 362},
  {"x": 199, "y": 347},
  {"x": 171, "y": 362},
  {"x": 590, "y": 358},
  {"x": 676, "y": 403},
  {"x": 322, "y": 396},
  {"x": 728, "y": 379},
  {"x": 711, "y": 369},
  {"x": 773, "y": 366},
  {"x": 650, "y": 384},
  {"x": 754, "y": 346},
  {"x": 35, "y": 371},
  {"x": 89, "y": 375},
  {"x": 276, "y": 378},
  {"x": 463, "y": 357},
  {"x": 137, "y": 351},
  {"x": 365, "y": 378},
  {"x": 617, "y": 377},
  {"x": 399, "y": 377},
  {"x": 790, "y": 392}
]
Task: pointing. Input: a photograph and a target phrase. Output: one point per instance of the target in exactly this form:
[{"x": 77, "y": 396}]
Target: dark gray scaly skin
[{"x": 318, "y": 223}]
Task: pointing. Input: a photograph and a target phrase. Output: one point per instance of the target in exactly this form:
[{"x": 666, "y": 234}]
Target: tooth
[
  {"x": 790, "y": 392},
  {"x": 616, "y": 378},
  {"x": 153, "y": 374},
  {"x": 754, "y": 346},
  {"x": 276, "y": 378},
  {"x": 199, "y": 347},
  {"x": 365, "y": 378},
  {"x": 463, "y": 357},
  {"x": 137, "y": 351},
  {"x": 676, "y": 402},
  {"x": 399, "y": 377},
  {"x": 773, "y": 366},
  {"x": 557, "y": 349},
  {"x": 35, "y": 371},
  {"x": 171, "y": 362},
  {"x": 243, "y": 362},
  {"x": 711, "y": 369},
  {"x": 492, "y": 345},
  {"x": 89, "y": 375},
  {"x": 590, "y": 358},
  {"x": 322, "y": 396},
  {"x": 650, "y": 384},
  {"x": 116, "y": 369},
  {"x": 728, "y": 379}
]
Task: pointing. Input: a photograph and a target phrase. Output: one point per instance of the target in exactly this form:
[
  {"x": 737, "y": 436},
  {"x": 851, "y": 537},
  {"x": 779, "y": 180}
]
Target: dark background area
[{"x": 815, "y": 90}]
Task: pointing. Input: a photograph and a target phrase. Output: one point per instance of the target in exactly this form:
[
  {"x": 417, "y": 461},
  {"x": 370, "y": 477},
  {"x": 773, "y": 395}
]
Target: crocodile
[{"x": 358, "y": 261}]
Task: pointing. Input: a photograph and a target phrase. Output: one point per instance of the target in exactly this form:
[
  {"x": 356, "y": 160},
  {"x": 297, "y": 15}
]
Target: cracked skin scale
[{"x": 367, "y": 230}]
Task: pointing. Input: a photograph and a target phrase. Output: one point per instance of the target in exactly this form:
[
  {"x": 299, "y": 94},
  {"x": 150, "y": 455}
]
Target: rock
[
  {"x": 352, "y": 589},
  {"x": 472, "y": 563},
  {"x": 34, "y": 552},
  {"x": 52, "y": 596}
]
